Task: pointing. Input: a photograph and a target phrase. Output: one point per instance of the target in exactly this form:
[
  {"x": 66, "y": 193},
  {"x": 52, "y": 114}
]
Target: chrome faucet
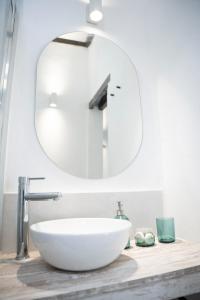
[{"x": 22, "y": 212}]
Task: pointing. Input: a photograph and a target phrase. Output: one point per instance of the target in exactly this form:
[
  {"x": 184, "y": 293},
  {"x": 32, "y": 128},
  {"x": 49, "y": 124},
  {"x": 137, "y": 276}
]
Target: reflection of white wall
[
  {"x": 95, "y": 136},
  {"x": 124, "y": 112},
  {"x": 63, "y": 131}
]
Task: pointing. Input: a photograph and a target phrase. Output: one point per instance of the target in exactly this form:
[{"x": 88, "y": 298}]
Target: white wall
[
  {"x": 178, "y": 95},
  {"x": 24, "y": 155}
]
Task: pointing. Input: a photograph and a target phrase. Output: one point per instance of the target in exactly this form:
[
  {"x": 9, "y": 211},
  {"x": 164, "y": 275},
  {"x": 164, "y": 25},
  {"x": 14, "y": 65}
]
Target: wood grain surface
[{"x": 164, "y": 271}]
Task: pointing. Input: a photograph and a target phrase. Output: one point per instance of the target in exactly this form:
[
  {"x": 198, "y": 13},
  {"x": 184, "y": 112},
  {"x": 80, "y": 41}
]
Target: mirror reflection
[{"x": 88, "y": 114}]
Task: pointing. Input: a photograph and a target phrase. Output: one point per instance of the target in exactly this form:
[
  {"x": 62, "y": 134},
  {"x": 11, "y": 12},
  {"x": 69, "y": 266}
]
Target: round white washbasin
[{"x": 80, "y": 244}]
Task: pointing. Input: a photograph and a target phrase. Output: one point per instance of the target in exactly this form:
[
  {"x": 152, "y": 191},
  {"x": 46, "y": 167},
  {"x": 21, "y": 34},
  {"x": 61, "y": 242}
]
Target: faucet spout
[{"x": 42, "y": 196}]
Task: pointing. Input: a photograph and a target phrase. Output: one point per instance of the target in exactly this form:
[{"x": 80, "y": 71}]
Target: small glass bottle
[{"x": 121, "y": 215}]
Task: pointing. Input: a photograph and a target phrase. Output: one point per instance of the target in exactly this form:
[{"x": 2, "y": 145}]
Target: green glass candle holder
[
  {"x": 144, "y": 237},
  {"x": 165, "y": 230}
]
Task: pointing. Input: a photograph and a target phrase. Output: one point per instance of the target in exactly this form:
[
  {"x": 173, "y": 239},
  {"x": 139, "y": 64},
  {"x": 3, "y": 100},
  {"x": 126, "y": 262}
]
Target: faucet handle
[{"x": 36, "y": 178}]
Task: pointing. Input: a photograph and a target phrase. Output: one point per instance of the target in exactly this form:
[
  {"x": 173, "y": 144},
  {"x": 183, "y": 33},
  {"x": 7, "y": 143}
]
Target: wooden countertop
[{"x": 164, "y": 271}]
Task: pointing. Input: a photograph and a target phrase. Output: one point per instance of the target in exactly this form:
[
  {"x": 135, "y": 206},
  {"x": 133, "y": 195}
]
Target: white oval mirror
[{"x": 88, "y": 111}]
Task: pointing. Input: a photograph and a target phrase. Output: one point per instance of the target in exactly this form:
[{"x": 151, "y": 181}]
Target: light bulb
[
  {"x": 96, "y": 16},
  {"x": 95, "y": 13}
]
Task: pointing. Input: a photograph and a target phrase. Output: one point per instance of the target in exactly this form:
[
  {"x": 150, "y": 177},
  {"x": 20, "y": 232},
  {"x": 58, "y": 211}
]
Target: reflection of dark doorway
[
  {"x": 100, "y": 98},
  {"x": 97, "y": 143},
  {"x": 85, "y": 43}
]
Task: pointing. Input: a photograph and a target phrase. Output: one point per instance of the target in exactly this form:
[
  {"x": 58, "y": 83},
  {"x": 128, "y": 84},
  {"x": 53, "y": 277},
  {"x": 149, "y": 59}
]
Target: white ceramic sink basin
[{"x": 80, "y": 244}]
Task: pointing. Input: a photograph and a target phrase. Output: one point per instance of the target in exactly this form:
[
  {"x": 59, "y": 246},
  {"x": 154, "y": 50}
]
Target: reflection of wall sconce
[
  {"x": 53, "y": 100},
  {"x": 95, "y": 12},
  {"x": 105, "y": 138}
]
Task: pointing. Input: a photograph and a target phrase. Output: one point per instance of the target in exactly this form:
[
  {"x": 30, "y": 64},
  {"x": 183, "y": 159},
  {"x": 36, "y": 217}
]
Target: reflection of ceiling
[
  {"x": 77, "y": 36},
  {"x": 81, "y": 39}
]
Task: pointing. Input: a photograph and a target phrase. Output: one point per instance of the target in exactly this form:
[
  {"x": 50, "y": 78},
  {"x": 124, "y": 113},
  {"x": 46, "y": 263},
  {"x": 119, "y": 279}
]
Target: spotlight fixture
[
  {"x": 95, "y": 12},
  {"x": 53, "y": 101}
]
